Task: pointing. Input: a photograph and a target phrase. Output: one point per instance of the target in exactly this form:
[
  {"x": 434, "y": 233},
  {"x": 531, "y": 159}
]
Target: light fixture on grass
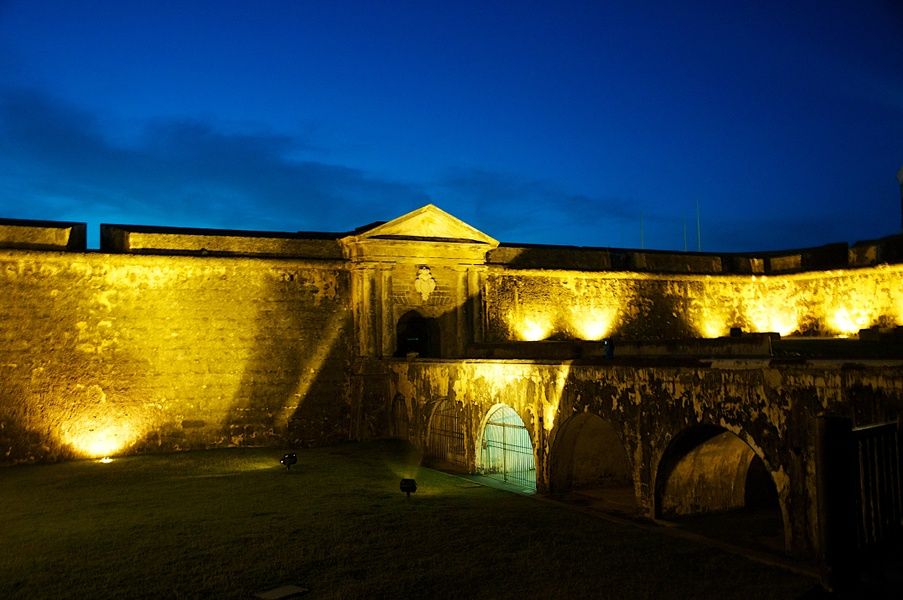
[
  {"x": 408, "y": 486},
  {"x": 289, "y": 459}
]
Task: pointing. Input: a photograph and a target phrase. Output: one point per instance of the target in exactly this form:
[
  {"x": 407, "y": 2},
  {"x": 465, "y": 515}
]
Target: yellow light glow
[
  {"x": 848, "y": 322},
  {"x": 858, "y": 303},
  {"x": 106, "y": 460},
  {"x": 551, "y": 402},
  {"x": 99, "y": 428},
  {"x": 96, "y": 443},
  {"x": 712, "y": 326},
  {"x": 593, "y": 323},
  {"x": 549, "y": 411},
  {"x": 765, "y": 318},
  {"x": 534, "y": 328}
]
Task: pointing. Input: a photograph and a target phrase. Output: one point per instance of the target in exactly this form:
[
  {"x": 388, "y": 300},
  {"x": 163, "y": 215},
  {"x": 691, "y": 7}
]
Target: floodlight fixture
[
  {"x": 289, "y": 459},
  {"x": 408, "y": 486}
]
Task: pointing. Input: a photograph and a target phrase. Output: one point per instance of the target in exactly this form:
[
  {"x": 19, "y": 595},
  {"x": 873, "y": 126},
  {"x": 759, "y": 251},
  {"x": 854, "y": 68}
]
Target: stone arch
[
  {"x": 416, "y": 334},
  {"x": 506, "y": 448},
  {"x": 709, "y": 470},
  {"x": 587, "y": 455},
  {"x": 446, "y": 436}
]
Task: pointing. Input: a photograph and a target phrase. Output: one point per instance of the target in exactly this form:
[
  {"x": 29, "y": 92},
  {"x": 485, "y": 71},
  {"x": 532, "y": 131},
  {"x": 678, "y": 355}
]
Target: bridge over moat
[{"x": 682, "y": 439}]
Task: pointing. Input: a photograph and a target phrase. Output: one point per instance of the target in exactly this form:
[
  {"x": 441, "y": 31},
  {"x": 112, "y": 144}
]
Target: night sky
[{"x": 558, "y": 123}]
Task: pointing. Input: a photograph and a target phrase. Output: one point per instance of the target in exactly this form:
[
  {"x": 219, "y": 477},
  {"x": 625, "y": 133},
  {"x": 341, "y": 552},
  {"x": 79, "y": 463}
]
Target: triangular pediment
[{"x": 428, "y": 223}]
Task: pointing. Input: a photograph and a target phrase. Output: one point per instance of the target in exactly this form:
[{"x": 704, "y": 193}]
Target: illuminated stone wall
[
  {"x": 536, "y": 304},
  {"x": 771, "y": 410},
  {"x": 175, "y": 339},
  {"x": 106, "y": 353}
]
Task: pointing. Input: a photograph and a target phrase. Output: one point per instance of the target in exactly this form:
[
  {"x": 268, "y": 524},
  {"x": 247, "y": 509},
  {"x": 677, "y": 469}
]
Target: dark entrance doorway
[
  {"x": 589, "y": 465},
  {"x": 417, "y": 334}
]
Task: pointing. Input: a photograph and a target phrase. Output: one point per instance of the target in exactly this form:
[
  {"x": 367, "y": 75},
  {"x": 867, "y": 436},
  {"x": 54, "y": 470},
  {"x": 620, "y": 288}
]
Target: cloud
[
  {"x": 532, "y": 211},
  {"x": 60, "y": 162}
]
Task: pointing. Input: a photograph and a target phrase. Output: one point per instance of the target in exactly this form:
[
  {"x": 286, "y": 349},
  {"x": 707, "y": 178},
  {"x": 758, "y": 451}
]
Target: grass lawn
[{"x": 229, "y": 523}]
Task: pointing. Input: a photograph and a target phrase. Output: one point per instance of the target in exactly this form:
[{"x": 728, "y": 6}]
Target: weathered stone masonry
[
  {"x": 105, "y": 353},
  {"x": 770, "y": 409},
  {"x": 169, "y": 339}
]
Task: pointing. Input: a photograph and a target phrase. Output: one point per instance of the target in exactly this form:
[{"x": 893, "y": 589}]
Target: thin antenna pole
[{"x": 698, "y": 229}]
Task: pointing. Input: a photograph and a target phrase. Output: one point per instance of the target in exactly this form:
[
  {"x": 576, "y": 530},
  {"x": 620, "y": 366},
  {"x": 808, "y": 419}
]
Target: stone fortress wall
[
  {"x": 169, "y": 339},
  {"x": 109, "y": 352}
]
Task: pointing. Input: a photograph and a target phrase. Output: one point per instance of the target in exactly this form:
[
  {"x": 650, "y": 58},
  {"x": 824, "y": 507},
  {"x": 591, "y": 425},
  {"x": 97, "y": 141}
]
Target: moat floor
[{"x": 231, "y": 523}]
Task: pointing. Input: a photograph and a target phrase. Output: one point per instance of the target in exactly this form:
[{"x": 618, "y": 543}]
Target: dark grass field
[{"x": 229, "y": 523}]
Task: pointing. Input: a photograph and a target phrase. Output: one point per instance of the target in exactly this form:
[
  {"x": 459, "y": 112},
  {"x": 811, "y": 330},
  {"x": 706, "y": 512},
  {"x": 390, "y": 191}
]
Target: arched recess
[
  {"x": 506, "y": 448},
  {"x": 589, "y": 457},
  {"x": 708, "y": 470},
  {"x": 446, "y": 440},
  {"x": 416, "y": 334}
]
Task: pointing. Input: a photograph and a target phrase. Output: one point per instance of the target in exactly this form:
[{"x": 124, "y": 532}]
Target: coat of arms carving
[{"x": 425, "y": 283}]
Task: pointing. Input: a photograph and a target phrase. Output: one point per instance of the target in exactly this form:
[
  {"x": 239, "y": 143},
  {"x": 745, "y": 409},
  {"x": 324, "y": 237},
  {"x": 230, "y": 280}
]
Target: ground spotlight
[
  {"x": 289, "y": 459},
  {"x": 408, "y": 486}
]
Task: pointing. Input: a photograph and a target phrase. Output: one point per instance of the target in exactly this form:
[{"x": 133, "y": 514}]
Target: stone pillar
[
  {"x": 368, "y": 292},
  {"x": 475, "y": 303},
  {"x": 386, "y": 334},
  {"x": 462, "y": 322}
]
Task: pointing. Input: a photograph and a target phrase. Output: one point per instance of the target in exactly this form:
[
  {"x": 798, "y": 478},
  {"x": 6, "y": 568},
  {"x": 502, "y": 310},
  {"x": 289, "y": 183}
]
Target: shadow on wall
[
  {"x": 294, "y": 386},
  {"x": 399, "y": 421},
  {"x": 662, "y": 315}
]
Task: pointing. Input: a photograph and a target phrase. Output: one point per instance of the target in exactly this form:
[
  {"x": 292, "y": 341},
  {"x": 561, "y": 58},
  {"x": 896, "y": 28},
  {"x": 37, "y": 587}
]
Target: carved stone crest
[{"x": 425, "y": 283}]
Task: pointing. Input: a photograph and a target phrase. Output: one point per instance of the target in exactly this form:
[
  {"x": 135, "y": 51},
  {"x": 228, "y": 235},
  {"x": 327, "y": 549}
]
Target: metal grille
[
  {"x": 880, "y": 497},
  {"x": 506, "y": 450},
  {"x": 446, "y": 435}
]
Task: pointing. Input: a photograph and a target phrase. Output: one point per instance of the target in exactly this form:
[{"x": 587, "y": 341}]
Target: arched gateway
[{"x": 506, "y": 449}]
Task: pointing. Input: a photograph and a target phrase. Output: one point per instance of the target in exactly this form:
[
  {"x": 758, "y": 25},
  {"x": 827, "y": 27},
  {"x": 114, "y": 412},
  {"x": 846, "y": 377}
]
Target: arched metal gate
[
  {"x": 445, "y": 442},
  {"x": 506, "y": 450}
]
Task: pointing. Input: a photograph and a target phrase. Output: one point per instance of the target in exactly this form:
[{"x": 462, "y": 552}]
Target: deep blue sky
[{"x": 563, "y": 123}]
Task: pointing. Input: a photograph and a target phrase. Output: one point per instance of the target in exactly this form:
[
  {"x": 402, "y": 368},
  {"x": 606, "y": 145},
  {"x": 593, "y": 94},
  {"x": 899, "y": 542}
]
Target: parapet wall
[
  {"x": 105, "y": 353},
  {"x": 533, "y": 304}
]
